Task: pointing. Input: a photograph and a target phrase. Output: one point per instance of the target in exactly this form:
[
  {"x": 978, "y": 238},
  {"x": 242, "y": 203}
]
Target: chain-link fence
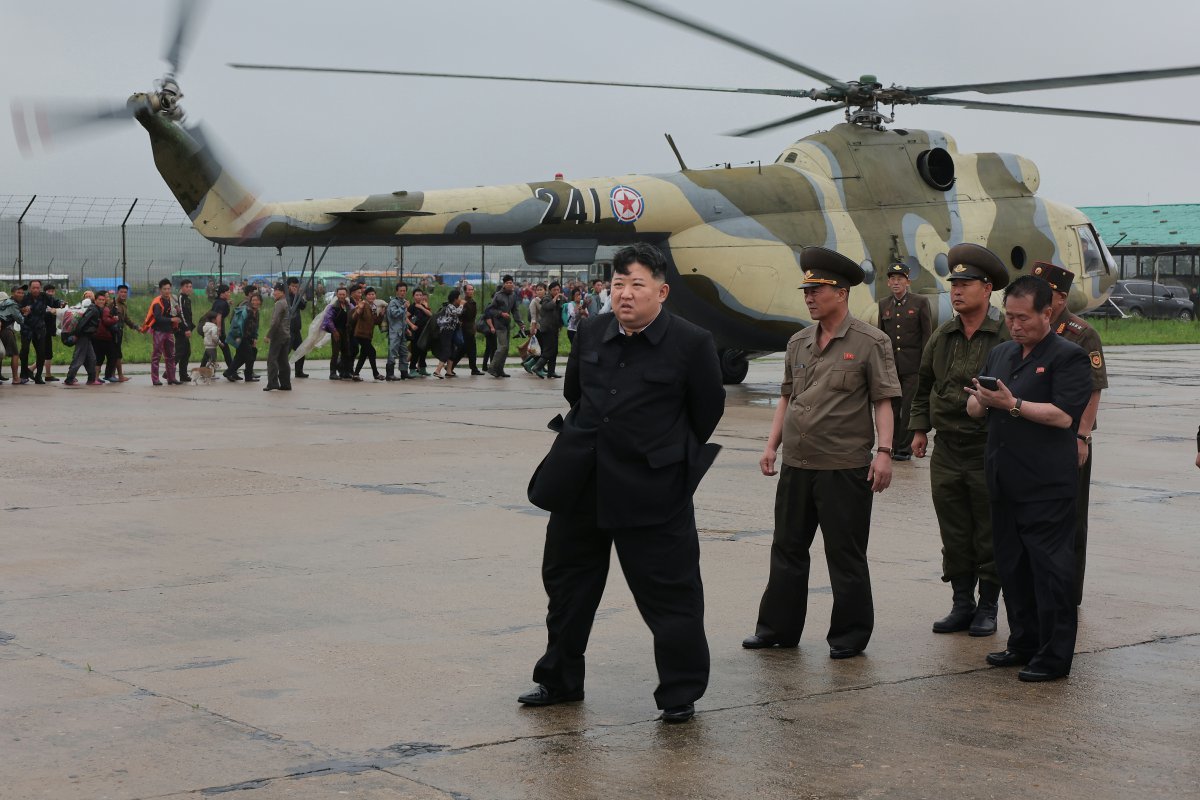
[{"x": 101, "y": 241}]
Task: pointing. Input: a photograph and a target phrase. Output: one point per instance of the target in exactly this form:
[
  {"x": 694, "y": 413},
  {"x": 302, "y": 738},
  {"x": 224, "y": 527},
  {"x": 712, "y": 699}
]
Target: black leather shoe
[
  {"x": 844, "y": 652},
  {"x": 269, "y": 388},
  {"x": 902, "y": 457},
  {"x": 301, "y": 374},
  {"x": 1007, "y": 658},
  {"x": 545, "y": 696},
  {"x": 757, "y": 642},
  {"x": 1038, "y": 675},
  {"x": 676, "y": 714}
]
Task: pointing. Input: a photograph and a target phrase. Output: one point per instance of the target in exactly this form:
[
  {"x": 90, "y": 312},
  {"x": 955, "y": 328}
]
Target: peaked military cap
[
  {"x": 1060, "y": 279},
  {"x": 824, "y": 267},
  {"x": 973, "y": 262},
  {"x": 898, "y": 268}
]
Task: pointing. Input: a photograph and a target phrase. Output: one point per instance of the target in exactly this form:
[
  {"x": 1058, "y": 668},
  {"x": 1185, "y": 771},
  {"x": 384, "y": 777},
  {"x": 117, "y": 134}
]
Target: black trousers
[
  {"x": 39, "y": 350},
  {"x": 839, "y": 501},
  {"x": 183, "y": 354},
  {"x": 901, "y": 406},
  {"x": 366, "y": 352},
  {"x": 489, "y": 348},
  {"x": 548, "y": 360},
  {"x": 1035, "y": 556},
  {"x": 662, "y": 566},
  {"x": 1081, "y": 524},
  {"x": 245, "y": 356},
  {"x": 469, "y": 349},
  {"x": 105, "y": 356}
]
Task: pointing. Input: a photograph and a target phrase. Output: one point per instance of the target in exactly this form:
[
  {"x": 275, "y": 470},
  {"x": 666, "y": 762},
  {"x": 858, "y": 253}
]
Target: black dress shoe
[
  {"x": 476, "y": 372},
  {"x": 676, "y": 714},
  {"x": 757, "y": 642},
  {"x": 270, "y": 388},
  {"x": 545, "y": 696},
  {"x": 1038, "y": 675},
  {"x": 301, "y": 374},
  {"x": 230, "y": 376},
  {"x": 1007, "y": 658},
  {"x": 902, "y": 457},
  {"x": 844, "y": 652}
]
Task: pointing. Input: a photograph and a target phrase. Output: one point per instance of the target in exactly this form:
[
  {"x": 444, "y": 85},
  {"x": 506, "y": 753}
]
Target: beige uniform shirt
[{"x": 829, "y": 422}]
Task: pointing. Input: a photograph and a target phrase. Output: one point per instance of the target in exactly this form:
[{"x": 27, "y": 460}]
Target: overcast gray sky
[{"x": 303, "y": 136}]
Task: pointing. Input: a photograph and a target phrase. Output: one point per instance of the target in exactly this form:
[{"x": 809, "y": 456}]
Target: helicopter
[{"x": 876, "y": 192}]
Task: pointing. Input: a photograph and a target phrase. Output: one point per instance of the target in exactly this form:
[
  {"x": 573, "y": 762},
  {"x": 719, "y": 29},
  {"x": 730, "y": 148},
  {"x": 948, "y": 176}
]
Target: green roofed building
[{"x": 1153, "y": 242}]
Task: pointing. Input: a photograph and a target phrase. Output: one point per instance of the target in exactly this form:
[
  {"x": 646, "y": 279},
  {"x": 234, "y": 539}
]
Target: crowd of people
[{"x": 413, "y": 330}]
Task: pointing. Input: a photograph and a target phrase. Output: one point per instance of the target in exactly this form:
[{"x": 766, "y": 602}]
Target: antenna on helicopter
[{"x": 675, "y": 150}]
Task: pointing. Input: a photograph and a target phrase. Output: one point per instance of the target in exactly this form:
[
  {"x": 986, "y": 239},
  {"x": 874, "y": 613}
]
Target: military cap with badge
[
  {"x": 973, "y": 262},
  {"x": 898, "y": 268},
  {"x": 1060, "y": 279},
  {"x": 825, "y": 267}
]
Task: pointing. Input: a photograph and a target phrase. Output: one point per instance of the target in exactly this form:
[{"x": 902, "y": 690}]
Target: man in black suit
[
  {"x": 1043, "y": 385},
  {"x": 645, "y": 393}
]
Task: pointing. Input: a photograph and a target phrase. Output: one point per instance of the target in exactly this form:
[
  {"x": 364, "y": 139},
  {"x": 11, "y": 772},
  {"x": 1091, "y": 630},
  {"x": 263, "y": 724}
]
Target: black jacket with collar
[{"x": 642, "y": 410}]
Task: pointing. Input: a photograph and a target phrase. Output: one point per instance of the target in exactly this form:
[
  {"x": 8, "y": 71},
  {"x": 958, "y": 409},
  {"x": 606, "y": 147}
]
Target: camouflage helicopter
[{"x": 733, "y": 235}]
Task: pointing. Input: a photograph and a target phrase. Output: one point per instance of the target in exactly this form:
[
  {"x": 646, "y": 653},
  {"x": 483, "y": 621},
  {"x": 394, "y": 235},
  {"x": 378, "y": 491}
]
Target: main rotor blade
[
  {"x": 180, "y": 31},
  {"x": 41, "y": 123},
  {"x": 730, "y": 39},
  {"x": 816, "y": 112},
  {"x": 1058, "y": 112},
  {"x": 1000, "y": 87},
  {"x": 408, "y": 73}
]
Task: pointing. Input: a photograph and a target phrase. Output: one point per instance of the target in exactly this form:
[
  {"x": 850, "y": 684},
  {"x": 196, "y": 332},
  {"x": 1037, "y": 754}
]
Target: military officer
[
  {"x": 837, "y": 371},
  {"x": 905, "y": 318},
  {"x": 955, "y": 354},
  {"x": 1075, "y": 329}
]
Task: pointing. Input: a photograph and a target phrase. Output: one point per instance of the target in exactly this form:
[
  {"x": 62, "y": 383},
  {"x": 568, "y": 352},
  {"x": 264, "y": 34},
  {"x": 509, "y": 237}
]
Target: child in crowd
[{"x": 212, "y": 338}]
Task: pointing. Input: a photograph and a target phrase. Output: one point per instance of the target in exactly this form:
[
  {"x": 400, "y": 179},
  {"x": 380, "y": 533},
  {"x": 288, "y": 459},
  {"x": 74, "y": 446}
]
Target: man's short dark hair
[
  {"x": 369, "y": 290},
  {"x": 1034, "y": 288},
  {"x": 539, "y": 285},
  {"x": 185, "y": 282},
  {"x": 341, "y": 289},
  {"x": 400, "y": 285},
  {"x": 122, "y": 286},
  {"x": 454, "y": 295},
  {"x": 164, "y": 282},
  {"x": 555, "y": 283},
  {"x": 32, "y": 281},
  {"x": 102, "y": 293},
  {"x": 49, "y": 287},
  {"x": 293, "y": 281},
  {"x": 506, "y": 278},
  {"x": 222, "y": 289},
  {"x": 647, "y": 255}
]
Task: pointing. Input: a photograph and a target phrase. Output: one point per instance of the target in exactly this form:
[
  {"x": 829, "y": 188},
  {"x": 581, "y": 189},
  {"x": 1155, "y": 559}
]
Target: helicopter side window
[
  {"x": 1096, "y": 258},
  {"x": 790, "y": 158}
]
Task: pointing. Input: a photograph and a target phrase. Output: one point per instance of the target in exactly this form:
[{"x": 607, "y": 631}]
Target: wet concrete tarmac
[{"x": 335, "y": 592}]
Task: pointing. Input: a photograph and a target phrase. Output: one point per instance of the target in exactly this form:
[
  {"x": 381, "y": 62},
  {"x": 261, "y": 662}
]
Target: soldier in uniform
[
  {"x": 955, "y": 354},
  {"x": 837, "y": 370},
  {"x": 905, "y": 318},
  {"x": 1075, "y": 329}
]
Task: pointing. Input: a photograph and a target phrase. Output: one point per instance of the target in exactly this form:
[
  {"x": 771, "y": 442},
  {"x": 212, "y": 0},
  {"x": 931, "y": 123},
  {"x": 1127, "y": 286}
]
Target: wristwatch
[
  {"x": 1085, "y": 439},
  {"x": 1015, "y": 411},
  {"x": 883, "y": 449}
]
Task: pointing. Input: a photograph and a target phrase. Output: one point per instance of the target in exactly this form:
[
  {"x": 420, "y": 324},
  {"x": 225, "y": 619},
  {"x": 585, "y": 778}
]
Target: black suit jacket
[{"x": 642, "y": 410}]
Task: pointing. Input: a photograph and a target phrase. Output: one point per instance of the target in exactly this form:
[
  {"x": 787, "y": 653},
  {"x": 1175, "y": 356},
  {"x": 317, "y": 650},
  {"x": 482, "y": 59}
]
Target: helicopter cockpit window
[{"x": 1096, "y": 258}]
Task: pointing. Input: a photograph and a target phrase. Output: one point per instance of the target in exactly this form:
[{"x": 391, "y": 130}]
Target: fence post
[
  {"x": 482, "y": 267},
  {"x": 20, "y": 252},
  {"x": 123, "y": 262}
]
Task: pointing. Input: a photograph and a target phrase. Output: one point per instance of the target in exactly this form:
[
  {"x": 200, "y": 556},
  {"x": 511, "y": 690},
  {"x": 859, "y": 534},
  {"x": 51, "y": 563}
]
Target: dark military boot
[
  {"x": 984, "y": 623},
  {"x": 962, "y": 613},
  {"x": 391, "y": 372}
]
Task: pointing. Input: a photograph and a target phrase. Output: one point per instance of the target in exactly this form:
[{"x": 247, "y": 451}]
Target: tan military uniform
[
  {"x": 908, "y": 326},
  {"x": 1075, "y": 329},
  {"x": 829, "y": 423}
]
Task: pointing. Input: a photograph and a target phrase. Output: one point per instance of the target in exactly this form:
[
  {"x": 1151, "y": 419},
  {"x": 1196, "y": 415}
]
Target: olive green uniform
[
  {"x": 828, "y": 435},
  {"x": 960, "y": 493},
  {"x": 907, "y": 324},
  {"x": 1074, "y": 329}
]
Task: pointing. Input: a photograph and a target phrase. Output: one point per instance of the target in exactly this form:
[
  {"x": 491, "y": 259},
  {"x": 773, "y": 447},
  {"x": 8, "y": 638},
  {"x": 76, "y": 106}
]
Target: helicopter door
[
  {"x": 1094, "y": 255},
  {"x": 754, "y": 288}
]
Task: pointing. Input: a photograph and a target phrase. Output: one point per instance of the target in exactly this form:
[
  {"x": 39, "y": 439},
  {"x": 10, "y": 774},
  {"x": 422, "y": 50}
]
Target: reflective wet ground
[{"x": 335, "y": 592}]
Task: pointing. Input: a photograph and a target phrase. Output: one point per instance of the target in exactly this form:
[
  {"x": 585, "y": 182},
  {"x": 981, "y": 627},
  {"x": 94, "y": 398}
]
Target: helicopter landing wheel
[{"x": 734, "y": 366}]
